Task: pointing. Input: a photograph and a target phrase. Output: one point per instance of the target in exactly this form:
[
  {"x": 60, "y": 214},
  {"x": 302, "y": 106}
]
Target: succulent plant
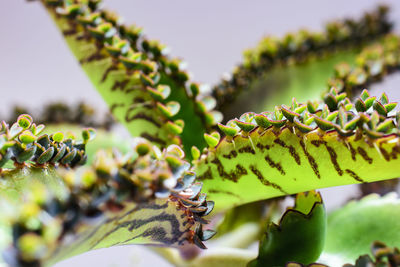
[
  {"x": 301, "y": 47},
  {"x": 61, "y": 197},
  {"x": 148, "y": 196},
  {"x": 60, "y": 113}
]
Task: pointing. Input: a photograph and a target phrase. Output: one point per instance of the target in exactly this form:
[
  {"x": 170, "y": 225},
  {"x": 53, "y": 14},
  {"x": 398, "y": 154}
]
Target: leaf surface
[
  {"x": 353, "y": 228},
  {"x": 284, "y": 152},
  {"x": 299, "y": 236}
]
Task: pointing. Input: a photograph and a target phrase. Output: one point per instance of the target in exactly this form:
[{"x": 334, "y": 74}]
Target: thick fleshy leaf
[
  {"x": 143, "y": 86},
  {"x": 299, "y": 236},
  {"x": 103, "y": 140},
  {"x": 384, "y": 256},
  {"x": 25, "y": 147},
  {"x": 297, "y": 65},
  {"x": 277, "y": 161},
  {"x": 141, "y": 198},
  {"x": 305, "y": 81},
  {"x": 238, "y": 216},
  {"x": 353, "y": 228}
]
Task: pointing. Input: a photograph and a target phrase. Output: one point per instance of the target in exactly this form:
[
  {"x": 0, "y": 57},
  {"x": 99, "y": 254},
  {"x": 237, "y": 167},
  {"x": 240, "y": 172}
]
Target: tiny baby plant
[{"x": 207, "y": 164}]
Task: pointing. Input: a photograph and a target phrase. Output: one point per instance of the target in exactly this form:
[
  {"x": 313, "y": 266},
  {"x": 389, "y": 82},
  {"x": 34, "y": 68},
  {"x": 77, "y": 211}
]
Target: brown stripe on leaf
[
  {"x": 96, "y": 56},
  {"x": 332, "y": 154},
  {"x": 384, "y": 153},
  {"x": 69, "y": 32},
  {"x": 116, "y": 105},
  {"x": 355, "y": 176},
  {"x": 392, "y": 155},
  {"x": 206, "y": 175},
  {"x": 149, "y": 206},
  {"x": 291, "y": 149},
  {"x": 132, "y": 225},
  {"x": 83, "y": 36},
  {"x": 119, "y": 85},
  {"x": 263, "y": 147},
  {"x": 395, "y": 151},
  {"x": 108, "y": 71},
  {"x": 140, "y": 116},
  {"x": 215, "y": 191},
  {"x": 265, "y": 181},
  {"x": 233, "y": 176},
  {"x": 352, "y": 150},
  {"x": 153, "y": 138},
  {"x": 311, "y": 159},
  {"x": 247, "y": 149},
  {"x": 364, "y": 155},
  {"x": 274, "y": 165},
  {"x": 232, "y": 154}
]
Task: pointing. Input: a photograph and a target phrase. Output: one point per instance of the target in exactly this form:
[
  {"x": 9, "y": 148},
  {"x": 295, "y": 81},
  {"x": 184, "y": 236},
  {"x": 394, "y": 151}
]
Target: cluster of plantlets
[
  {"x": 61, "y": 113},
  {"x": 300, "y": 47},
  {"x": 45, "y": 225},
  {"x": 372, "y": 64},
  {"x": 22, "y": 142},
  {"x": 146, "y": 90},
  {"x": 150, "y": 196},
  {"x": 383, "y": 256},
  {"x": 288, "y": 147}
]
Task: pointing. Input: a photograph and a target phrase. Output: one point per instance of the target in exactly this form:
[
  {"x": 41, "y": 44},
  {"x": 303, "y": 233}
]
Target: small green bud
[
  {"x": 58, "y": 137},
  {"x": 212, "y": 140},
  {"x": 24, "y": 121},
  {"x": 88, "y": 134},
  {"x": 195, "y": 152},
  {"x": 174, "y": 128},
  {"x": 32, "y": 246},
  {"x": 27, "y": 137},
  {"x": 143, "y": 149}
]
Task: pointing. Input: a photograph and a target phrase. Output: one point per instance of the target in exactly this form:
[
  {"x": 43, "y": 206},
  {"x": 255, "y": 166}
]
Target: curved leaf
[
  {"x": 322, "y": 147},
  {"x": 299, "y": 236},
  {"x": 371, "y": 65},
  {"x": 23, "y": 143},
  {"x": 296, "y": 49},
  {"x": 105, "y": 140},
  {"x": 131, "y": 73},
  {"x": 81, "y": 114},
  {"x": 304, "y": 81},
  {"x": 353, "y": 228},
  {"x": 238, "y": 216},
  {"x": 384, "y": 257},
  {"x": 148, "y": 197}
]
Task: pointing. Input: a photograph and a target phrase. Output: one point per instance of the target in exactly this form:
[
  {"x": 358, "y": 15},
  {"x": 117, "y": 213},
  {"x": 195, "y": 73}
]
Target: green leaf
[
  {"x": 353, "y": 228},
  {"x": 238, "y": 216},
  {"x": 282, "y": 160},
  {"x": 143, "y": 86},
  {"x": 24, "y": 121},
  {"x": 24, "y": 147},
  {"x": 27, "y": 137},
  {"x": 104, "y": 140},
  {"x": 88, "y": 134},
  {"x": 384, "y": 257},
  {"x": 212, "y": 140},
  {"x": 228, "y": 130},
  {"x": 195, "y": 152},
  {"x": 141, "y": 198},
  {"x": 170, "y": 109},
  {"x": 278, "y": 69},
  {"x": 299, "y": 236},
  {"x": 59, "y": 137}
]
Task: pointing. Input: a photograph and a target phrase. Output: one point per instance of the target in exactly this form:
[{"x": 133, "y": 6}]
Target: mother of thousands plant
[{"x": 198, "y": 161}]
